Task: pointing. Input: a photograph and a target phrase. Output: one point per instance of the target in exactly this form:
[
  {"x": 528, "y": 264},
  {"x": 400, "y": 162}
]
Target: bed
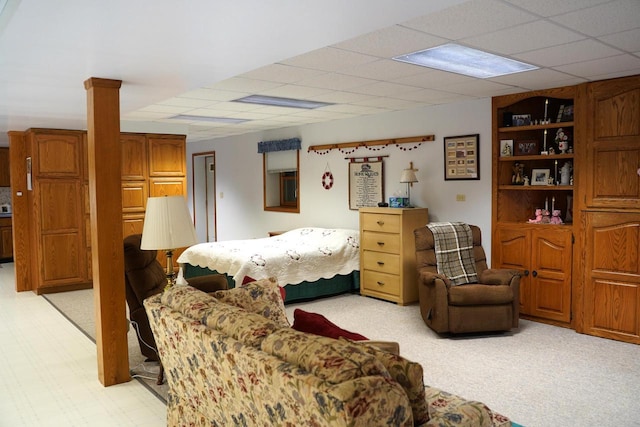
[{"x": 309, "y": 262}]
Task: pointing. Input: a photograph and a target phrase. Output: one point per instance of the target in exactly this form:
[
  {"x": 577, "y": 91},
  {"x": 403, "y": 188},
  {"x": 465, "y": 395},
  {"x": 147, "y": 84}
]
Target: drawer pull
[
  {"x": 380, "y": 263},
  {"x": 380, "y": 283},
  {"x": 380, "y": 243},
  {"x": 380, "y": 223}
]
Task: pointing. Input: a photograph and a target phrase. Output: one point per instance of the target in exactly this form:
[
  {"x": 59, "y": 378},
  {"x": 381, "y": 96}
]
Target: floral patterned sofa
[{"x": 231, "y": 359}]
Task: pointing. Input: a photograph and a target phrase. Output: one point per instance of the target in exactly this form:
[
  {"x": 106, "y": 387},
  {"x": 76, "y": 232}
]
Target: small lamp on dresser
[
  {"x": 409, "y": 177},
  {"x": 167, "y": 226}
]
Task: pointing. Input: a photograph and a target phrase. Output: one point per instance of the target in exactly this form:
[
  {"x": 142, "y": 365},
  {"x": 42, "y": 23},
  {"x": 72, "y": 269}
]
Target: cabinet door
[
  {"x": 551, "y": 256},
  {"x": 167, "y": 187},
  {"x": 134, "y": 157},
  {"x": 612, "y": 275},
  {"x": 613, "y": 144},
  {"x": 167, "y": 156},
  {"x": 512, "y": 250}
]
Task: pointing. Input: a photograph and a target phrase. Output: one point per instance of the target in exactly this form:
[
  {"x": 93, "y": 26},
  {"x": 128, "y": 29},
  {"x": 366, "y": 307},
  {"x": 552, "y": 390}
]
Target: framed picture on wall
[
  {"x": 461, "y": 157},
  {"x": 365, "y": 183}
]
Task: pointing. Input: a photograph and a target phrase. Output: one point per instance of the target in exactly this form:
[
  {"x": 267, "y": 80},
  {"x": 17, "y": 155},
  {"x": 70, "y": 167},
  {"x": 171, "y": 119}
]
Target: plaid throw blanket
[{"x": 454, "y": 251}]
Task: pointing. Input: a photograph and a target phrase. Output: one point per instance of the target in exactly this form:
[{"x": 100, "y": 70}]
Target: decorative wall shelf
[{"x": 358, "y": 144}]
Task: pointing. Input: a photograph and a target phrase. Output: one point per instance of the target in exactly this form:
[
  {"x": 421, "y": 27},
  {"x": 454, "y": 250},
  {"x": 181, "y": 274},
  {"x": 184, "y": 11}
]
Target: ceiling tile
[
  {"x": 329, "y": 59},
  {"x": 282, "y": 73},
  {"x": 432, "y": 78},
  {"x": 383, "y": 69},
  {"x": 382, "y": 89},
  {"x": 186, "y": 102},
  {"x": 243, "y": 84},
  {"x": 603, "y": 19},
  {"x": 470, "y": 19},
  {"x": 598, "y": 67},
  {"x": 626, "y": 40},
  {"x": 335, "y": 81},
  {"x": 543, "y": 78},
  {"x": 555, "y": 7},
  {"x": 518, "y": 39},
  {"x": 213, "y": 95},
  {"x": 295, "y": 91},
  {"x": 579, "y": 51},
  {"x": 389, "y": 42}
]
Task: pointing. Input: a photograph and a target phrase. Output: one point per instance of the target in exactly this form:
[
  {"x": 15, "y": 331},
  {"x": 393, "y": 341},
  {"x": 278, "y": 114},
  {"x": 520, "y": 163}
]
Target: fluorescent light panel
[
  {"x": 209, "y": 119},
  {"x": 465, "y": 60},
  {"x": 282, "y": 102}
]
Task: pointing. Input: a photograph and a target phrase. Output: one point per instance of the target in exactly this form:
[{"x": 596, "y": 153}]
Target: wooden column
[
  {"x": 22, "y": 261},
  {"x": 103, "y": 132}
]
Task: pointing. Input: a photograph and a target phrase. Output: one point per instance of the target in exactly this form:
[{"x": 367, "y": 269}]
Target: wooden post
[{"x": 103, "y": 132}]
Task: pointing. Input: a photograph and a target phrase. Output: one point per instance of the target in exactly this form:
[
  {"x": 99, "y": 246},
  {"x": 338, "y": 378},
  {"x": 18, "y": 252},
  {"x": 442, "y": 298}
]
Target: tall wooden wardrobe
[
  {"x": 52, "y": 199},
  {"x": 584, "y": 274}
]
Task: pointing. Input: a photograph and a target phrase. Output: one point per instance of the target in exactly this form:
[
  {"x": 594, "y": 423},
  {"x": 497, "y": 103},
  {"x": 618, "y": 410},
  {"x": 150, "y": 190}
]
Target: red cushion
[
  {"x": 317, "y": 324},
  {"x": 249, "y": 279}
]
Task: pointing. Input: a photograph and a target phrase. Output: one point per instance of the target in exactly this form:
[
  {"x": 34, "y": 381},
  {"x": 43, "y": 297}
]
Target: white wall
[{"x": 239, "y": 200}]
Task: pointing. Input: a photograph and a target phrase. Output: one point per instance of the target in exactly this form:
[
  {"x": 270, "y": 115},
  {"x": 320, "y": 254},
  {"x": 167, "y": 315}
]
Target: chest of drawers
[{"x": 387, "y": 252}]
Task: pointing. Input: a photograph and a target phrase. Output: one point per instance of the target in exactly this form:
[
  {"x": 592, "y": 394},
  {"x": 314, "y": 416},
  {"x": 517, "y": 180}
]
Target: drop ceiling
[{"x": 194, "y": 58}]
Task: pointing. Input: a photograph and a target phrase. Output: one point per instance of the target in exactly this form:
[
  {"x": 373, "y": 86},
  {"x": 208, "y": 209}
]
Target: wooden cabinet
[
  {"x": 608, "y": 227},
  {"x": 527, "y": 176},
  {"x": 56, "y": 216},
  {"x": 5, "y": 176},
  {"x": 543, "y": 254},
  {"x": 387, "y": 252},
  {"x": 6, "y": 238}
]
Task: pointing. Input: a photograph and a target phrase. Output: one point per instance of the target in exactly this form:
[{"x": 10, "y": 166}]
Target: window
[{"x": 281, "y": 181}]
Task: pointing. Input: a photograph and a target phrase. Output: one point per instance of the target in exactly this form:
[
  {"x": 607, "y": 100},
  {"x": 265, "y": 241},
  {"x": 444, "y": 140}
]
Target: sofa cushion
[
  {"x": 244, "y": 326},
  {"x": 188, "y": 301},
  {"x": 329, "y": 359},
  {"x": 480, "y": 294},
  {"x": 317, "y": 324},
  {"x": 260, "y": 296},
  {"x": 407, "y": 373},
  {"x": 449, "y": 409}
]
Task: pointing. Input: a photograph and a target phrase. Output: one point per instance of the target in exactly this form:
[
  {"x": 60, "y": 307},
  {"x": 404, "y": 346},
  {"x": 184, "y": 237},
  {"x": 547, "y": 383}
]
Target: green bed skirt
[{"x": 338, "y": 284}]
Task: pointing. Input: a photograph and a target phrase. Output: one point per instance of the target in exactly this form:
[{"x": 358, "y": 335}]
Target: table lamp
[
  {"x": 409, "y": 177},
  {"x": 167, "y": 226}
]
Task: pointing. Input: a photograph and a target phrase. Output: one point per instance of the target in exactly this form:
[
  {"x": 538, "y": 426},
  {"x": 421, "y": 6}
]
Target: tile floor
[{"x": 48, "y": 371}]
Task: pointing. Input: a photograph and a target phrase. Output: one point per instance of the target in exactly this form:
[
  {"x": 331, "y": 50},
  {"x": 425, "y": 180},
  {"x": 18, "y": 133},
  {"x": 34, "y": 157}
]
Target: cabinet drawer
[
  {"x": 382, "y": 282},
  {"x": 383, "y": 242},
  {"x": 381, "y": 222},
  {"x": 381, "y": 261}
]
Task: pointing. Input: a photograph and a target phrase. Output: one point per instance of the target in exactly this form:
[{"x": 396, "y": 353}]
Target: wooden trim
[
  {"x": 373, "y": 143},
  {"x": 21, "y": 211}
]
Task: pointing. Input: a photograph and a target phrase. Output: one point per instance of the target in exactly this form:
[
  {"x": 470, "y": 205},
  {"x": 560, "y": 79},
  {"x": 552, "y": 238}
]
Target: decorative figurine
[
  {"x": 526, "y": 180},
  {"x": 562, "y": 140},
  {"x": 545, "y": 217},
  {"x": 538, "y": 217},
  {"x": 555, "y": 217},
  {"x": 518, "y": 174},
  {"x": 565, "y": 173}
]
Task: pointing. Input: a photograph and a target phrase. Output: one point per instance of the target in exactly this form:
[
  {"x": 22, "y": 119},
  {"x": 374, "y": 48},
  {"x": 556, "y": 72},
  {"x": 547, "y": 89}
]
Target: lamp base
[{"x": 171, "y": 276}]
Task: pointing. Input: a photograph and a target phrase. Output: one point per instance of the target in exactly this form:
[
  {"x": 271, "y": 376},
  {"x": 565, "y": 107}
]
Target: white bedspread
[{"x": 303, "y": 254}]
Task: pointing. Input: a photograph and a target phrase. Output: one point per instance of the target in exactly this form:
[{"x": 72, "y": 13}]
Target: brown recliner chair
[
  {"x": 145, "y": 277},
  {"x": 490, "y": 305}
]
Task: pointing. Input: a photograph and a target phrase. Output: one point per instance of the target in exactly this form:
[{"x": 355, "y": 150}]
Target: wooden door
[
  {"x": 612, "y": 282},
  {"x": 512, "y": 250},
  {"x": 167, "y": 156},
  {"x": 550, "y": 285},
  {"x": 134, "y": 157},
  {"x": 6, "y": 242},
  {"x": 5, "y": 179}
]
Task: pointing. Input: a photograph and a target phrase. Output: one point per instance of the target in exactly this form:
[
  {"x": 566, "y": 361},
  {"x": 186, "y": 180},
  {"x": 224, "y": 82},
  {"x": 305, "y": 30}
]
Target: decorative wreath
[{"x": 327, "y": 180}]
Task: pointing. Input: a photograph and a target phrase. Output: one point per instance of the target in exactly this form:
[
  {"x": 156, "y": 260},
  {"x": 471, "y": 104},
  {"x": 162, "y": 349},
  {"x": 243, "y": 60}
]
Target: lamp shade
[
  {"x": 408, "y": 175},
  {"x": 167, "y": 224}
]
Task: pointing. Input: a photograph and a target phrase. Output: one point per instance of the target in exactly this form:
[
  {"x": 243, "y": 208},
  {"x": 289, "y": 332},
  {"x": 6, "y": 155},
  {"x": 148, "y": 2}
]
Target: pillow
[
  {"x": 317, "y": 324},
  {"x": 249, "y": 279},
  {"x": 261, "y": 296},
  {"x": 408, "y": 374}
]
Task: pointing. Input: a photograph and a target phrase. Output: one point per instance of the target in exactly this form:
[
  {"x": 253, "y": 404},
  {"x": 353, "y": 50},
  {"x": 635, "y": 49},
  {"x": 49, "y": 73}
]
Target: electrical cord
[{"x": 142, "y": 365}]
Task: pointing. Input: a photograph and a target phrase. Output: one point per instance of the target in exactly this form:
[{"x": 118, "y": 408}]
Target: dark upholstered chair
[
  {"x": 490, "y": 305},
  {"x": 145, "y": 277}
]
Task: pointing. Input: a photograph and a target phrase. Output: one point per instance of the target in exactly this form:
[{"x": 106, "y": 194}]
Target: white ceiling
[{"x": 195, "y": 57}]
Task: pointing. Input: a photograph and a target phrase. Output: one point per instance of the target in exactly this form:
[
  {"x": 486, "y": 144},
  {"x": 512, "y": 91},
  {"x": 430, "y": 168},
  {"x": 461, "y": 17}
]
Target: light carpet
[{"x": 539, "y": 375}]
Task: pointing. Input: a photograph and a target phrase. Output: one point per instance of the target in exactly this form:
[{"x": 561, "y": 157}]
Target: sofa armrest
[
  {"x": 209, "y": 283},
  {"x": 388, "y": 346},
  {"x": 496, "y": 276},
  {"x": 429, "y": 278}
]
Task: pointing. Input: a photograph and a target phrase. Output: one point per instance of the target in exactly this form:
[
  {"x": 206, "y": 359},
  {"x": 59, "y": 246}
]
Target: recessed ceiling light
[
  {"x": 282, "y": 102},
  {"x": 208, "y": 119},
  {"x": 465, "y": 60}
]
